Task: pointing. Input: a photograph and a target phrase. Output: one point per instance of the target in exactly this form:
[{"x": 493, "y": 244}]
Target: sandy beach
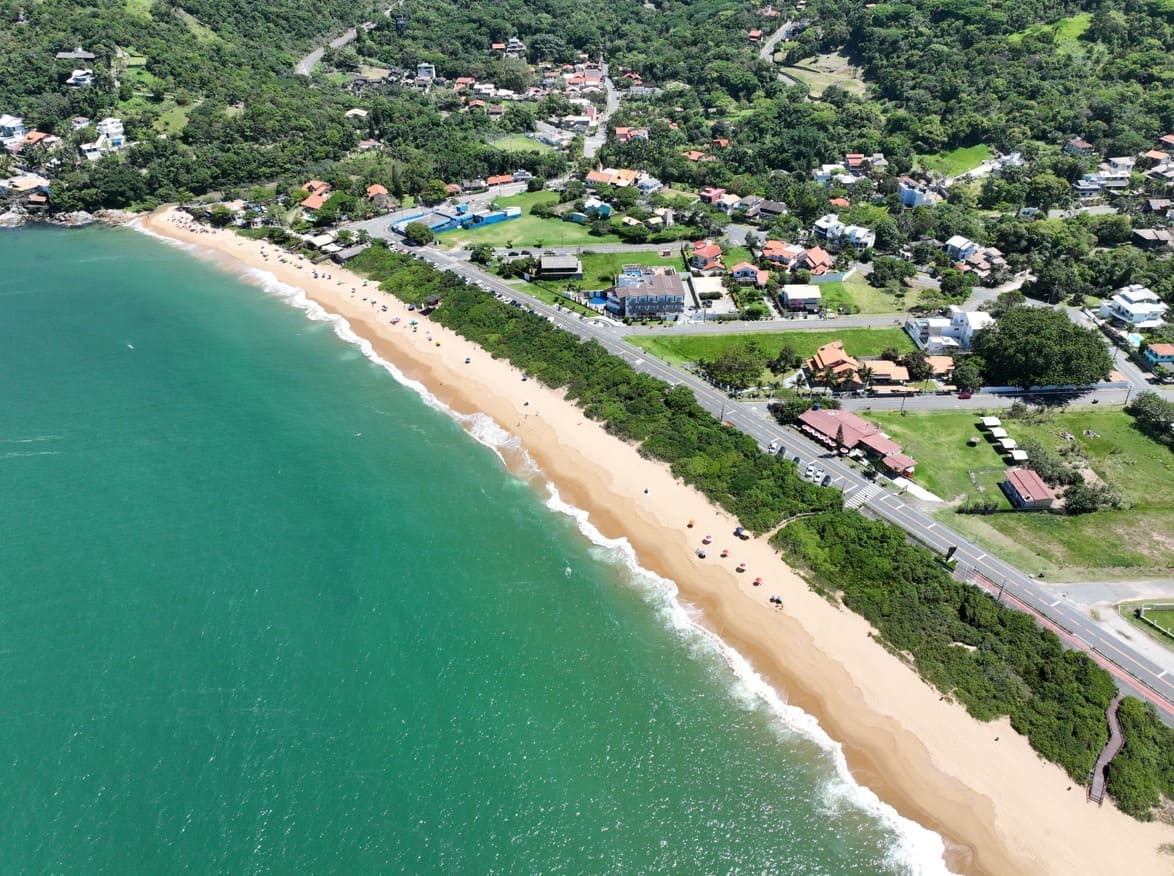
[{"x": 1000, "y": 807}]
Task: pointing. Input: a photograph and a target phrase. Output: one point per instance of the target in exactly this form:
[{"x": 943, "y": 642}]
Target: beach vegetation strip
[
  {"x": 994, "y": 660},
  {"x": 677, "y": 349}
]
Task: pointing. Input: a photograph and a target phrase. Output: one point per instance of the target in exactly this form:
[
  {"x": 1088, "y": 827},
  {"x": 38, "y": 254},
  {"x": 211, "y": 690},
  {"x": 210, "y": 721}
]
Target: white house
[
  {"x": 110, "y": 139},
  {"x": 12, "y": 130},
  {"x": 960, "y": 248},
  {"x": 727, "y": 203},
  {"x": 1136, "y": 306},
  {"x": 80, "y": 78},
  {"x": 648, "y": 185},
  {"x": 831, "y": 229},
  {"x": 425, "y": 71},
  {"x": 937, "y": 335},
  {"x": 801, "y": 296}
]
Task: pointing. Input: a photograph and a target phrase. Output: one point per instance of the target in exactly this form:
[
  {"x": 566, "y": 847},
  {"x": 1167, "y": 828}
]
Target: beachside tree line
[{"x": 993, "y": 659}]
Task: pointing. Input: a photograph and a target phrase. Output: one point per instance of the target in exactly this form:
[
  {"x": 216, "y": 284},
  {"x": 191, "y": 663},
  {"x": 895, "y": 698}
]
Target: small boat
[
  {"x": 692, "y": 523},
  {"x": 707, "y": 539},
  {"x": 702, "y": 552},
  {"x": 725, "y": 553},
  {"x": 757, "y": 582},
  {"x": 741, "y": 567},
  {"x": 468, "y": 359},
  {"x": 395, "y": 320}
]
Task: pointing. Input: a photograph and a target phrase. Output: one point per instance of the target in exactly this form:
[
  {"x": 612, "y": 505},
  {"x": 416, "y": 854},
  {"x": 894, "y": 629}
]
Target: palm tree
[{"x": 864, "y": 375}]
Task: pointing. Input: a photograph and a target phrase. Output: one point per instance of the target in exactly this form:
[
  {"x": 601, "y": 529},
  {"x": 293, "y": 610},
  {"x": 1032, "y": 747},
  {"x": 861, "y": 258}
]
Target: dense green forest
[
  {"x": 1002, "y": 73},
  {"x": 993, "y": 659}
]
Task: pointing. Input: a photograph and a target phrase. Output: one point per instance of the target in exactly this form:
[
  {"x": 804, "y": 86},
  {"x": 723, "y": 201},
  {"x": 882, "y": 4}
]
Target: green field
[
  {"x": 174, "y": 119},
  {"x": 520, "y": 143},
  {"x": 1104, "y": 544},
  {"x": 600, "y": 267},
  {"x": 1163, "y": 618},
  {"x": 1067, "y": 31},
  {"x": 548, "y": 294},
  {"x": 679, "y": 349},
  {"x": 956, "y": 161},
  {"x": 823, "y": 71}
]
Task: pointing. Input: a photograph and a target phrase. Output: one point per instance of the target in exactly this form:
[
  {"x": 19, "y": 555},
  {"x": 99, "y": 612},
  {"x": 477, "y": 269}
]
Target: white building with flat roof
[
  {"x": 12, "y": 130},
  {"x": 1135, "y": 305}
]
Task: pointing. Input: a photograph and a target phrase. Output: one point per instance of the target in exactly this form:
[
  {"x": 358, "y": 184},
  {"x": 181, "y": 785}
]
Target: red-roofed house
[
  {"x": 376, "y": 189},
  {"x": 721, "y": 142},
  {"x": 626, "y": 135},
  {"x": 1027, "y": 490},
  {"x": 1159, "y": 354},
  {"x": 754, "y": 36},
  {"x": 695, "y": 155},
  {"x": 709, "y": 194},
  {"x": 500, "y": 179},
  {"x": 706, "y": 257},
  {"x": 832, "y": 357},
  {"x": 316, "y": 187},
  {"x": 846, "y": 431},
  {"x": 783, "y": 254},
  {"x": 817, "y": 260},
  {"x": 453, "y": 188},
  {"x": 1167, "y": 140},
  {"x": 884, "y": 371},
  {"x": 315, "y": 202},
  {"x": 1155, "y": 155},
  {"x": 840, "y": 202},
  {"x": 745, "y": 273},
  {"x": 599, "y": 178}
]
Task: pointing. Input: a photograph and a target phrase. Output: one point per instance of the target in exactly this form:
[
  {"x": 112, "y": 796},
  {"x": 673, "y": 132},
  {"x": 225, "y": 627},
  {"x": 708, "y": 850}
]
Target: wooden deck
[{"x": 1096, "y": 788}]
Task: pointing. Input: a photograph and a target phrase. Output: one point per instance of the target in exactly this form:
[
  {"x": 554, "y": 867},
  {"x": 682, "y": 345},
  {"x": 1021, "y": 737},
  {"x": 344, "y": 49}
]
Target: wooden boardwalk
[{"x": 1096, "y": 788}]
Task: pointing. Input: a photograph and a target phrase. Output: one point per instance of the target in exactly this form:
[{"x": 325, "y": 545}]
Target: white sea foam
[{"x": 915, "y": 849}]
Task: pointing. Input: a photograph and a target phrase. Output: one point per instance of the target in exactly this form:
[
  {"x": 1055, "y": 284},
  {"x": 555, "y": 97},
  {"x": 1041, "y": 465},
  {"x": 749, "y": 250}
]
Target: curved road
[
  {"x": 767, "y": 53},
  {"x": 306, "y": 66},
  {"x": 1134, "y": 672}
]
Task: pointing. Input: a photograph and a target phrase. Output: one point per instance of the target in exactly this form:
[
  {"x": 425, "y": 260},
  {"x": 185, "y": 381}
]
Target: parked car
[{"x": 966, "y": 393}]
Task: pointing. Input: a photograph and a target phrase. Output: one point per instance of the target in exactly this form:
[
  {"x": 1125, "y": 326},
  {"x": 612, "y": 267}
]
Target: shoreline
[{"x": 997, "y": 805}]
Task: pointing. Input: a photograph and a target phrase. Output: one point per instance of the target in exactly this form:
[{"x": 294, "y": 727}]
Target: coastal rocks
[
  {"x": 13, "y": 219},
  {"x": 76, "y": 219}
]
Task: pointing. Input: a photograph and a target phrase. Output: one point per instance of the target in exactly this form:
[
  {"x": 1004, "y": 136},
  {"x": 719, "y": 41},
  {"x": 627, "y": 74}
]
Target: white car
[
  {"x": 819, "y": 475},
  {"x": 774, "y": 445},
  {"x": 810, "y": 471}
]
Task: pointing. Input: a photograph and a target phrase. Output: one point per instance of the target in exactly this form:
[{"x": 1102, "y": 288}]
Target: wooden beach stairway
[{"x": 1096, "y": 788}]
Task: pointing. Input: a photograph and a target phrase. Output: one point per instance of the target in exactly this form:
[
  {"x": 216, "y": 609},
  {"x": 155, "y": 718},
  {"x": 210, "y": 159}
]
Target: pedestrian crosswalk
[{"x": 862, "y": 495}]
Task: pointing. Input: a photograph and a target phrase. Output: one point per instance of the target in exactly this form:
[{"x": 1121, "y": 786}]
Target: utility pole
[{"x": 1002, "y": 586}]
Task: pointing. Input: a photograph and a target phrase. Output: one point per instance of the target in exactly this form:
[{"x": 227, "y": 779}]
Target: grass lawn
[
  {"x": 823, "y": 71},
  {"x": 1068, "y": 31},
  {"x": 174, "y": 119},
  {"x": 678, "y": 193},
  {"x": 520, "y": 143},
  {"x": 528, "y": 231},
  {"x": 869, "y": 299},
  {"x": 678, "y": 349},
  {"x": 550, "y": 296},
  {"x": 526, "y": 200},
  {"x": 1104, "y": 544},
  {"x": 600, "y": 267},
  {"x": 956, "y": 161},
  {"x": 1164, "y": 618}
]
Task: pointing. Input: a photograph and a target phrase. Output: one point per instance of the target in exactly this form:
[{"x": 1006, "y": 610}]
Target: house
[
  {"x": 937, "y": 335},
  {"x": 914, "y": 194},
  {"x": 943, "y": 366},
  {"x": 709, "y": 195},
  {"x": 886, "y": 372},
  {"x": 315, "y": 201},
  {"x": 746, "y": 274},
  {"x": 817, "y": 260},
  {"x": 649, "y": 185},
  {"x": 556, "y": 267},
  {"x": 501, "y": 179},
  {"x": 627, "y": 135},
  {"x": 425, "y": 72},
  {"x": 24, "y": 187},
  {"x": 111, "y": 129},
  {"x": 801, "y": 296},
  {"x": 721, "y": 142},
  {"x": 728, "y": 203},
  {"x": 695, "y": 155},
  {"x": 461, "y": 83},
  {"x": 1160, "y": 206},
  {"x": 959, "y": 248},
  {"x": 964, "y": 324},
  {"x": 831, "y": 358},
  {"x": 844, "y": 430},
  {"x": 595, "y": 207},
  {"x": 80, "y": 78},
  {"x": 646, "y": 291},
  {"x": 1027, "y": 491},
  {"x": 768, "y": 210},
  {"x": 12, "y": 130},
  {"x": 836, "y": 233},
  {"x": 1136, "y": 306},
  {"x": 785, "y": 255},
  {"x": 1152, "y": 238},
  {"x": 599, "y": 178},
  {"x": 40, "y": 138},
  {"x": 706, "y": 257},
  {"x": 825, "y": 173},
  {"x": 1078, "y": 148},
  {"x": 316, "y": 187},
  {"x": 1159, "y": 354},
  {"x": 754, "y": 36},
  {"x": 514, "y": 48},
  {"x": 356, "y": 113},
  {"x": 842, "y": 203}
]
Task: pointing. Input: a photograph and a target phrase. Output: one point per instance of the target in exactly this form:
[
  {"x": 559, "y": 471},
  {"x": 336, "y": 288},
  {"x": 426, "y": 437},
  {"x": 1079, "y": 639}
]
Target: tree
[
  {"x": 918, "y": 366},
  {"x": 738, "y": 366},
  {"x": 481, "y": 254},
  {"x": 890, "y": 269},
  {"x": 967, "y": 374},
  {"x": 1038, "y": 346},
  {"x": 418, "y": 233},
  {"x": 433, "y": 192}
]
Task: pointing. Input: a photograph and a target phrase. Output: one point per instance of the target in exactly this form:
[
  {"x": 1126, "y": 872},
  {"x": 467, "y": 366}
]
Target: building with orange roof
[
  {"x": 706, "y": 257},
  {"x": 832, "y": 357},
  {"x": 376, "y": 189},
  {"x": 817, "y": 260},
  {"x": 599, "y": 178},
  {"x": 500, "y": 179},
  {"x": 315, "y": 201},
  {"x": 783, "y": 254}
]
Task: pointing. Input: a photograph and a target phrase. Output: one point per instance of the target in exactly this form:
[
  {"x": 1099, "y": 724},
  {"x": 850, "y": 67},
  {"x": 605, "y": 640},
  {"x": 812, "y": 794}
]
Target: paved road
[
  {"x": 767, "y": 52},
  {"x": 593, "y": 143},
  {"x": 306, "y": 66},
  {"x": 1135, "y": 672}
]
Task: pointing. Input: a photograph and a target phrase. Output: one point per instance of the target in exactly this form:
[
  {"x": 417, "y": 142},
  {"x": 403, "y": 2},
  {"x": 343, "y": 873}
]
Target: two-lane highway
[{"x": 1133, "y": 670}]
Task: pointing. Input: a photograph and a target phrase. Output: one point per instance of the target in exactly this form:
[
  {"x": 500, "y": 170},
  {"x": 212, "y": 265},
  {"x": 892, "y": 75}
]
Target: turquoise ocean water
[{"x": 236, "y": 636}]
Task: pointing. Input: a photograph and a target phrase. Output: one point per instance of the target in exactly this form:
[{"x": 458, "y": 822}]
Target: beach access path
[{"x": 1000, "y": 807}]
